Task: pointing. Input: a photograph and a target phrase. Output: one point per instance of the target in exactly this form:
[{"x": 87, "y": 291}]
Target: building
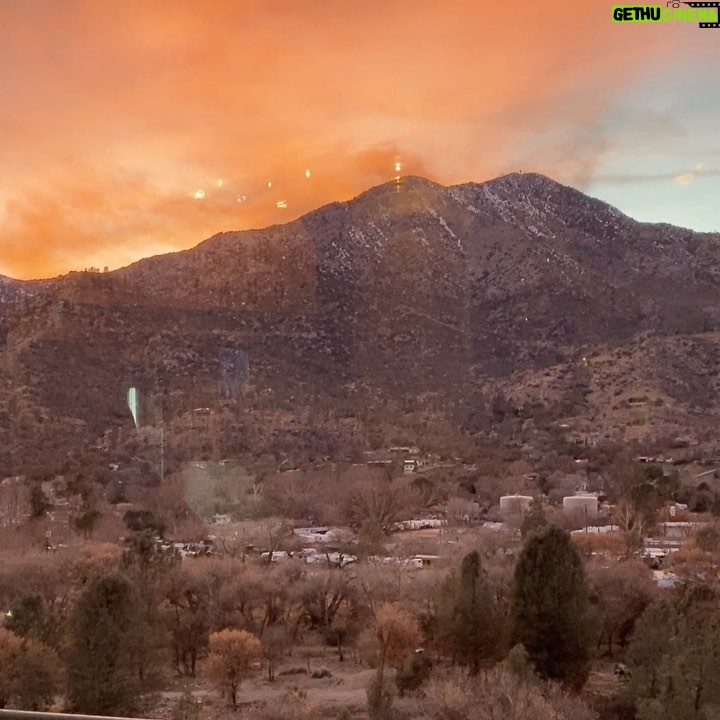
[{"x": 410, "y": 466}]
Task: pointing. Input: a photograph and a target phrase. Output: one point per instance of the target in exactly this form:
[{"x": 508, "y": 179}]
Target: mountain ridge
[{"x": 411, "y": 295}]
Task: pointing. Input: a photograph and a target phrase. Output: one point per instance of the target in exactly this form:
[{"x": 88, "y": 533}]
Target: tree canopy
[{"x": 549, "y": 606}]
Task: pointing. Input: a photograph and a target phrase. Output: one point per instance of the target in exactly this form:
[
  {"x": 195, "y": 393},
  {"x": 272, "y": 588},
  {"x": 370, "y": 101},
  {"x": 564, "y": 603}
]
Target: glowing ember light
[
  {"x": 397, "y": 167},
  {"x": 199, "y": 194},
  {"x": 220, "y": 182},
  {"x": 307, "y": 173},
  {"x": 241, "y": 198},
  {"x": 270, "y": 184},
  {"x": 281, "y": 204}
]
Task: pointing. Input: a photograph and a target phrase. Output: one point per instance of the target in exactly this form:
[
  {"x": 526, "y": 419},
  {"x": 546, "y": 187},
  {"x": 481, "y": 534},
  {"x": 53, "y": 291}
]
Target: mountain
[{"x": 413, "y": 312}]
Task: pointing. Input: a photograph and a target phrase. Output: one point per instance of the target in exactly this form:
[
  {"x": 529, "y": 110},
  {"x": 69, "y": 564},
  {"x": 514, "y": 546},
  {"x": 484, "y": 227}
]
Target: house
[
  {"x": 409, "y": 466},
  {"x": 425, "y": 560}
]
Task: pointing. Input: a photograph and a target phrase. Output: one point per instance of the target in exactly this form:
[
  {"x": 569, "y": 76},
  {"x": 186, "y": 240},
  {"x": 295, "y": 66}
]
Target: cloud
[
  {"x": 684, "y": 178},
  {"x": 112, "y": 119}
]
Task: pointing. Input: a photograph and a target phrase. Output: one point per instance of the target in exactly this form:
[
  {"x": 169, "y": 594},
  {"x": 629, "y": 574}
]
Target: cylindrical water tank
[
  {"x": 515, "y": 504},
  {"x": 583, "y": 505}
]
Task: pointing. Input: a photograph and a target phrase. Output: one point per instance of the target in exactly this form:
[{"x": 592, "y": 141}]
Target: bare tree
[
  {"x": 275, "y": 642},
  {"x": 381, "y": 502},
  {"x": 396, "y": 634},
  {"x": 632, "y": 524},
  {"x": 621, "y": 592}
]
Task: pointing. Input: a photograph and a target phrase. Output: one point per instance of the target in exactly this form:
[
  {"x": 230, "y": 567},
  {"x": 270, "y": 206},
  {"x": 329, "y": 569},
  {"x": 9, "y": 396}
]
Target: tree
[
  {"x": 148, "y": 567},
  {"x": 28, "y": 672},
  {"x": 649, "y": 643},
  {"x": 9, "y": 647},
  {"x": 549, "y": 607},
  {"x": 534, "y": 519},
  {"x": 619, "y": 594},
  {"x": 414, "y": 675},
  {"x": 471, "y": 621},
  {"x": 275, "y": 642},
  {"x": 102, "y": 677},
  {"x": 342, "y": 629},
  {"x": 646, "y": 500},
  {"x": 189, "y": 621},
  {"x": 141, "y": 521},
  {"x": 633, "y": 525},
  {"x": 39, "y": 504},
  {"x": 322, "y": 594},
  {"x": 381, "y": 502},
  {"x": 675, "y": 656},
  {"x": 371, "y": 538},
  {"x": 231, "y": 654},
  {"x": 86, "y": 522},
  {"x": 29, "y": 617},
  {"x": 425, "y": 487},
  {"x": 396, "y": 634}
]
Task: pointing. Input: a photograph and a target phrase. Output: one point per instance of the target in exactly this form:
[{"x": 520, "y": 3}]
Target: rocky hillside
[{"x": 403, "y": 314}]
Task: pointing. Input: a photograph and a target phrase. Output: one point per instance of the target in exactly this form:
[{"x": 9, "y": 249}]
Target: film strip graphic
[{"x": 715, "y": 5}]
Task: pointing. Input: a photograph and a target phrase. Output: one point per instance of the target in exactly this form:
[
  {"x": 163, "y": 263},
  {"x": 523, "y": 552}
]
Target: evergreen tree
[
  {"x": 149, "y": 569},
  {"x": 650, "y": 642},
  {"x": 39, "y": 504},
  {"x": 472, "y": 623},
  {"x": 675, "y": 655},
  {"x": 549, "y": 606},
  {"x": 102, "y": 676},
  {"x": 534, "y": 519},
  {"x": 29, "y": 617}
]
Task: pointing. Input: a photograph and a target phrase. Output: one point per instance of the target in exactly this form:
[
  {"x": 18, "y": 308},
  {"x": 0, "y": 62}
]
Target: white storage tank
[
  {"x": 514, "y": 504},
  {"x": 584, "y": 506}
]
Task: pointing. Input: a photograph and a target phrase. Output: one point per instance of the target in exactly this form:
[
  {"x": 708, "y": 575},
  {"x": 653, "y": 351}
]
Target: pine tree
[
  {"x": 534, "y": 519},
  {"x": 473, "y": 627},
  {"x": 675, "y": 656},
  {"x": 102, "y": 677},
  {"x": 549, "y": 607}
]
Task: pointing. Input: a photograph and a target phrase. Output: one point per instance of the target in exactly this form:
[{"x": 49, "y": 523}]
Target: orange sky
[{"x": 112, "y": 114}]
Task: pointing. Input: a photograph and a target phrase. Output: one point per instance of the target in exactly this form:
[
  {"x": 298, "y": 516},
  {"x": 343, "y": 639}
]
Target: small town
[{"x": 359, "y": 362}]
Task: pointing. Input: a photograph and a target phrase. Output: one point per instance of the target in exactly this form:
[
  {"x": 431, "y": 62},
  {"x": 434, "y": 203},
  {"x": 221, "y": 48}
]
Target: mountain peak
[{"x": 419, "y": 297}]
